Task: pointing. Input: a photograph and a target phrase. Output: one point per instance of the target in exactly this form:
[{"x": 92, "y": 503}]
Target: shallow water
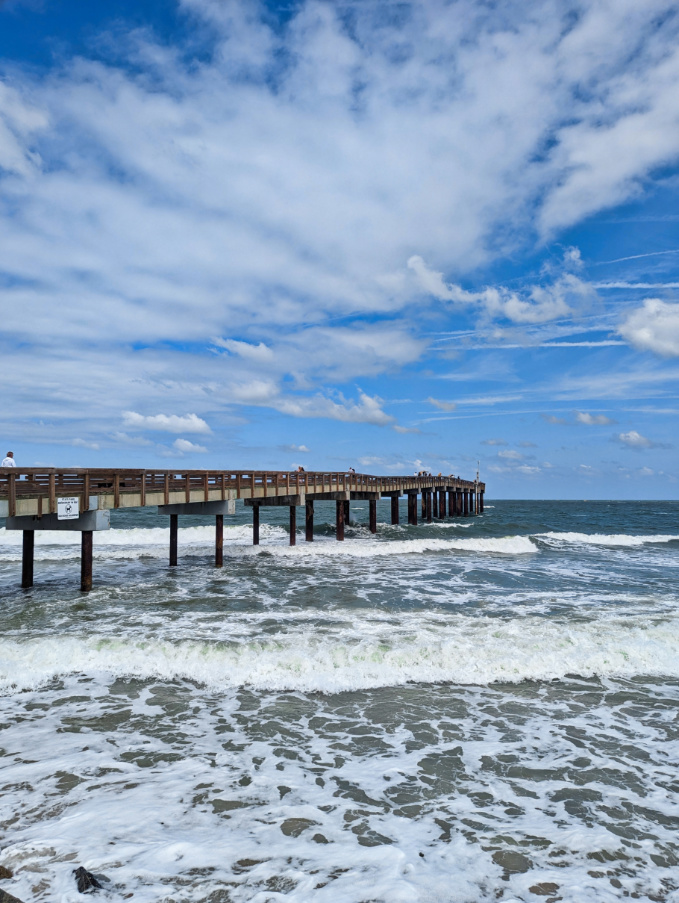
[{"x": 478, "y": 709}]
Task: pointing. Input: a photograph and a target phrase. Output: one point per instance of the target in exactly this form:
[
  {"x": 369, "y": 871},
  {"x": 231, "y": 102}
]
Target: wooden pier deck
[{"x": 39, "y": 498}]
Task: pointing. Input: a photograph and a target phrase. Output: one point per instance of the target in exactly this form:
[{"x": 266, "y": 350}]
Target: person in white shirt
[{"x": 9, "y": 460}]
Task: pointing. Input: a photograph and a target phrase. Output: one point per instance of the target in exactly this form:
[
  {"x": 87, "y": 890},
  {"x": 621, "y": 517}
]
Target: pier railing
[{"x": 125, "y": 487}]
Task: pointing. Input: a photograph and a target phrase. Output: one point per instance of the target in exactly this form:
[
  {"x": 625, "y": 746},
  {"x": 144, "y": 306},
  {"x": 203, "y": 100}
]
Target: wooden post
[
  {"x": 435, "y": 503},
  {"x": 219, "y": 540},
  {"x": 458, "y": 501},
  {"x": 347, "y": 512},
  {"x": 293, "y": 525},
  {"x": 412, "y": 509},
  {"x": 481, "y": 502},
  {"x": 174, "y": 529},
  {"x": 442, "y": 503},
  {"x": 451, "y": 503},
  {"x": 85, "y": 500},
  {"x": 339, "y": 519},
  {"x": 255, "y": 525},
  {"x": 429, "y": 513},
  {"x": 27, "y": 559},
  {"x": 394, "y": 509},
  {"x": 309, "y": 520},
  {"x": 372, "y": 508},
  {"x": 11, "y": 494},
  {"x": 424, "y": 504},
  {"x": 465, "y": 502},
  {"x": 86, "y": 561}
]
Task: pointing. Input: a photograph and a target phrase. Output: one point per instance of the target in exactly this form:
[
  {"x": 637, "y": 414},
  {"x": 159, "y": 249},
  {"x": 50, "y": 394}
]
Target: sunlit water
[{"x": 478, "y": 709}]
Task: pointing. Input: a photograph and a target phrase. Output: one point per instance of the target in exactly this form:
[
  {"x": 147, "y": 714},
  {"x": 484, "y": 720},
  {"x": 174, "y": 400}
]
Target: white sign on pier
[{"x": 68, "y": 509}]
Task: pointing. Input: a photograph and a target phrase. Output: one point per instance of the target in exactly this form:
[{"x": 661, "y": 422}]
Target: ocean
[{"x": 479, "y": 709}]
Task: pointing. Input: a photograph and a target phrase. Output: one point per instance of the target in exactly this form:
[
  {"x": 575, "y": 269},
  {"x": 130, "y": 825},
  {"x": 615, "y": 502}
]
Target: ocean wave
[
  {"x": 153, "y": 542},
  {"x": 466, "y": 651},
  {"x": 622, "y": 540}
]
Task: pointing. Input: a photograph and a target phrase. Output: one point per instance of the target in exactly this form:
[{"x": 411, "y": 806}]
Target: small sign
[{"x": 68, "y": 509}]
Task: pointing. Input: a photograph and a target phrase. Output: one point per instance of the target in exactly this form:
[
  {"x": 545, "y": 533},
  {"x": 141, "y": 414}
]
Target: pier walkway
[{"x": 40, "y": 498}]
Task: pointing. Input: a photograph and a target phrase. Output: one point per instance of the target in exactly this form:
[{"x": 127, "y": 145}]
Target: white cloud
[
  {"x": 634, "y": 440},
  {"x": 511, "y": 455},
  {"x": 184, "y": 447},
  {"x": 259, "y": 353},
  {"x": 550, "y": 418},
  {"x": 540, "y": 304},
  {"x": 654, "y": 327},
  {"x": 169, "y": 423},
  {"x": 442, "y": 405},
  {"x": 296, "y": 448},
  {"x": 83, "y": 443},
  {"x": 493, "y": 442},
  {"x": 593, "y": 419}
]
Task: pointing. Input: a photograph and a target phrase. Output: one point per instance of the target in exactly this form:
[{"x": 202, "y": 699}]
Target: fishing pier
[{"x": 81, "y": 500}]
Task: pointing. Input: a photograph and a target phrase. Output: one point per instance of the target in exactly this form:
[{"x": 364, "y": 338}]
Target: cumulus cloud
[
  {"x": 593, "y": 419},
  {"x": 493, "y": 442},
  {"x": 184, "y": 447},
  {"x": 510, "y": 454},
  {"x": 653, "y": 327},
  {"x": 168, "y": 423},
  {"x": 633, "y": 439}
]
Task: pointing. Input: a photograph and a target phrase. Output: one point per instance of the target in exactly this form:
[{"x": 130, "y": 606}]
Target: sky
[{"x": 389, "y": 235}]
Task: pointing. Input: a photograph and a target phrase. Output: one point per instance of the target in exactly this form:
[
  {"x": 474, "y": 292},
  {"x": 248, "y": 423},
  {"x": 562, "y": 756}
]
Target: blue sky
[{"x": 394, "y": 236}]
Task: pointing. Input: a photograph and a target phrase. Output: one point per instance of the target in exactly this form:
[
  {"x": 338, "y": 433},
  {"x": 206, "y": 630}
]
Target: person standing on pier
[{"x": 9, "y": 460}]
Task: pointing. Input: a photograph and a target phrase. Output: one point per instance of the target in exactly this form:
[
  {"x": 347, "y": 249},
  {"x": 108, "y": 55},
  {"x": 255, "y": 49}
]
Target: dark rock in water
[
  {"x": 5, "y": 873},
  {"x": 85, "y": 880},
  {"x": 8, "y": 898}
]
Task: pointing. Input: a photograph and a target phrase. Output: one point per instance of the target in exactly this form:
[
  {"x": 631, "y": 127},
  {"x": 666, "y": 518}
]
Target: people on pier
[{"x": 9, "y": 461}]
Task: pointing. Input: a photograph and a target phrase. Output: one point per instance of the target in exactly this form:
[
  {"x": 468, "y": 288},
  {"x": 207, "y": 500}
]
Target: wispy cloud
[{"x": 442, "y": 405}]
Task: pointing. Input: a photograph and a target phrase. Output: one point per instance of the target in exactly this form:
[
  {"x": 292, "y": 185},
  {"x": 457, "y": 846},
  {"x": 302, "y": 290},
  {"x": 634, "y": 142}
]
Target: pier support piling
[
  {"x": 435, "y": 504},
  {"x": 339, "y": 518},
  {"x": 412, "y": 509},
  {"x": 424, "y": 505},
  {"x": 293, "y": 525},
  {"x": 174, "y": 529},
  {"x": 347, "y": 512},
  {"x": 451, "y": 504},
  {"x": 27, "y": 557},
  {"x": 86, "y": 561},
  {"x": 465, "y": 503},
  {"x": 372, "y": 507},
  {"x": 481, "y": 502},
  {"x": 309, "y": 509},
  {"x": 255, "y": 525},
  {"x": 429, "y": 515},
  {"x": 394, "y": 509},
  {"x": 219, "y": 540}
]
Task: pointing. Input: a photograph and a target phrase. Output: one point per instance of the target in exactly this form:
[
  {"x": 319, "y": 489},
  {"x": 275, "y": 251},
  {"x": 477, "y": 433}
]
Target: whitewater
[{"x": 472, "y": 710}]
